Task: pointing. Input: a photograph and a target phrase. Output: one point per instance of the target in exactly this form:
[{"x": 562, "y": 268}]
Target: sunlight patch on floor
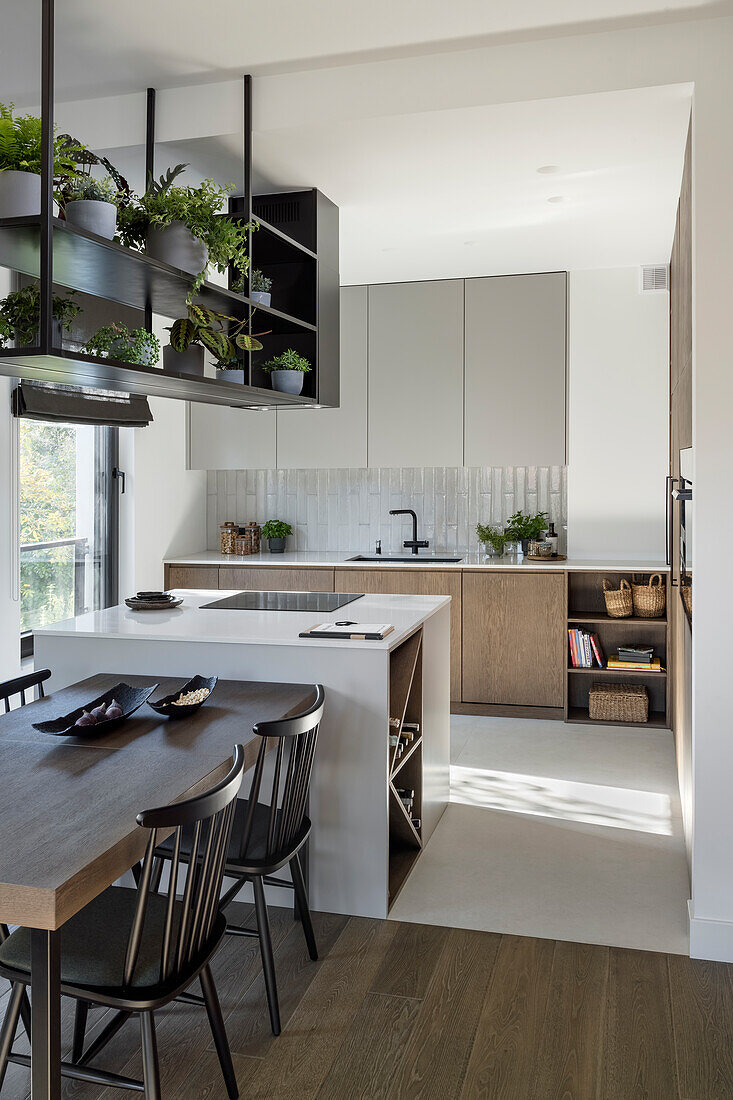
[{"x": 565, "y": 799}]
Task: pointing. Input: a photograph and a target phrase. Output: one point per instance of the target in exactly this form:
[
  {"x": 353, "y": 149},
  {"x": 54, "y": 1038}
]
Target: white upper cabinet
[
  {"x": 312, "y": 439},
  {"x": 416, "y": 374},
  {"x": 515, "y": 406},
  {"x": 220, "y": 438}
]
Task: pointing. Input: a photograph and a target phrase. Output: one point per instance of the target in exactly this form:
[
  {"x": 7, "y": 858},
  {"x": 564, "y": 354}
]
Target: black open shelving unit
[{"x": 304, "y": 268}]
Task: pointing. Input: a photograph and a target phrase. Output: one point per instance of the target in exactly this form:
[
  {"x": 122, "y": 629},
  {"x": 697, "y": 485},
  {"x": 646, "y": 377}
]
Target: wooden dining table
[{"x": 69, "y": 804}]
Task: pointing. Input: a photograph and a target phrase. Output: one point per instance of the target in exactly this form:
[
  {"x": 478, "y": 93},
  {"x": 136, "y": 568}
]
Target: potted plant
[
  {"x": 522, "y": 528},
  {"x": 493, "y": 538},
  {"x": 90, "y": 203},
  {"x": 184, "y": 227},
  {"x": 20, "y": 163},
  {"x": 276, "y": 532},
  {"x": 20, "y": 316},
  {"x": 260, "y": 288},
  {"x": 117, "y": 341},
  {"x": 205, "y": 328},
  {"x": 287, "y": 371}
]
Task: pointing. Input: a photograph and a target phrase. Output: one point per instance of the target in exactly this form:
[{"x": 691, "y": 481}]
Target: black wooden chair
[
  {"x": 135, "y": 950},
  {"x": 270, "y": 834},
  {"x": 8, "y": 690}
]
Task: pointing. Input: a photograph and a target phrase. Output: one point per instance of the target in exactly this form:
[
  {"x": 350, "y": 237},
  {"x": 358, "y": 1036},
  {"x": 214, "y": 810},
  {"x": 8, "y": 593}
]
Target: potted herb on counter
[
  {"x": 287, "y": 371},
  {"x": 20, "y": 316},
  {"x": 276, "y": 532},
  {"x": 261, "y": 287},
  {"x": 206, "y": 329},
  {"x": 117, "y": 341},
  {"x": 20, "y": 163},
  {"x": 493, "y": 538},
  {"x": 521, "y": 528}
]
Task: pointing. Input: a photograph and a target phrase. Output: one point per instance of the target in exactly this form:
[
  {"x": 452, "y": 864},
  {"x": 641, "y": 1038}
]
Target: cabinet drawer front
[
  {"x": 192, "y": 576},
  {"x": 514, "y": 639},
  {"x": 248, "y": 578}
]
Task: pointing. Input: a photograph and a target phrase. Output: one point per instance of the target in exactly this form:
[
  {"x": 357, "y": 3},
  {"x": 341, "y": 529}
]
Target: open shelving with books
[
  {"x": 586, "y": 612},
  {"x": 405, "y": 761}
]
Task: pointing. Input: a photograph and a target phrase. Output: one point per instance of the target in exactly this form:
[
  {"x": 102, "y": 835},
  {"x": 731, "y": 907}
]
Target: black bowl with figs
[{"x": 101, "y": 715}]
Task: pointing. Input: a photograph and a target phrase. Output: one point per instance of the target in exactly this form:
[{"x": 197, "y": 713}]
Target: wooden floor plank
[
  {"x": 507, "y": 1043},
  {"x": 572, "y": 1041},
  {"x": 409, "y": 964},
  {"x": 702, "y": 1011},
  {"x": 638, "y": 1051},
  {"x": 373, "y": 1048},
  {"x": 298, "y": 1063},
  {"x": 438, "y": 1050}
]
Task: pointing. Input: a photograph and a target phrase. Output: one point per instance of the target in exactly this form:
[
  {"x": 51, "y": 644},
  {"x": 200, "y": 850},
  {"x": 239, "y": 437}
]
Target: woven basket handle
[
  {"x": 624, "y": 584},
  {"x": 606, "y": 584},
  {"x": 656, "y": 577}
]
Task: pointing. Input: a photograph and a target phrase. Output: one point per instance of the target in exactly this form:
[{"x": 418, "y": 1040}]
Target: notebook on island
[{"x": 373, "y": 632}]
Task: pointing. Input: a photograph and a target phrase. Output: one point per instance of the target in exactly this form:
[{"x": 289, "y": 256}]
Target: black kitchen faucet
[{"x": 414, "y": 543}]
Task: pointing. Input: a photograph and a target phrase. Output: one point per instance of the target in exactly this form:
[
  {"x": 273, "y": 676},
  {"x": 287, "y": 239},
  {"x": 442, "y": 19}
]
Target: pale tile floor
[{"x": 559, "y": 831}]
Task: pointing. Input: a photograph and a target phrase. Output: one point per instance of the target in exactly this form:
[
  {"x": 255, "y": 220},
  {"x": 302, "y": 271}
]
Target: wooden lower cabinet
[
  {"x": 191, "y": 576},
  {"x": 414, "y": 582},
  {"x": 275, "y": 578},
  {"x": 514, "y": 639}
]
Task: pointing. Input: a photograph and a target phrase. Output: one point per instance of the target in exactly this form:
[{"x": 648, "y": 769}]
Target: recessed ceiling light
[
  {"x": 390, "y": 248},
  {"x": 548, "y": 169},
  {"x": 469, "y": 244},
  {"x": 556, "y": 198}
]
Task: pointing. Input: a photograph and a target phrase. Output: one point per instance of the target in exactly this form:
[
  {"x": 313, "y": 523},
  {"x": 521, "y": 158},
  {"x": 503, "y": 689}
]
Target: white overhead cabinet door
[
  {"x": 317, "y": 439},
  {"x": 416, "y": 374},
  {"x": 221, "y": 438},
  {"x": 516, "y": 370}
]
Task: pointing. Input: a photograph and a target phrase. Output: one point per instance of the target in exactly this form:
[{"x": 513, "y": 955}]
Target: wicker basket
[
  {"x": 686, "y": 590},
  {"x": 650, "y": 599},
  {"x": 619, "y": 602},
  {"x": 619, "y": 703}
]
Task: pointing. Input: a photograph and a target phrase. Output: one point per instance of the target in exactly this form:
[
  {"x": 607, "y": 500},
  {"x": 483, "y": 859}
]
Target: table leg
[{"x": 45, "y": 1015}]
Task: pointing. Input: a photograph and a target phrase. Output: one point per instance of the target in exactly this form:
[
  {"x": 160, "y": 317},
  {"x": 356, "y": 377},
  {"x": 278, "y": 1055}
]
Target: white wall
[{"x": 618, "y": 424}]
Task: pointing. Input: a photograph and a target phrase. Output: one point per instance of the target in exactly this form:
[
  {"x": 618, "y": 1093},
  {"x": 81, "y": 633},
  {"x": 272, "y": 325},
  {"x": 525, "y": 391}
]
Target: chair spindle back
[{"x": 21, "y": 684}]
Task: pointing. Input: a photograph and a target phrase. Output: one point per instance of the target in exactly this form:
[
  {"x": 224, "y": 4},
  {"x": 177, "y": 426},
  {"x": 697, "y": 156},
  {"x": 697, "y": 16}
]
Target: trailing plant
[
  {"x": 83, "y": 186},
  {"x": 526, "y": 527},
  {"x": 492, "y": 536},
  {"x": 117, "y": 341},
  {"x": 261, "y": 283},
  {"x": 276, "y": 529},
  {"x": 288, "y": 360},
  {"x": 218, "y": 333},
  {"x": 21, "y": 145},
  {"x": 20, "y": 313},
  {"x": 199, "y": 208}
]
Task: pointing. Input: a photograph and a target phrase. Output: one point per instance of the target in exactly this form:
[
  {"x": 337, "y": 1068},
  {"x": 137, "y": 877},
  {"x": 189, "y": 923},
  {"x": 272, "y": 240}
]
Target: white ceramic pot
[
  {"x": 262, "y": 297},
  {"x": 288, "y": 381},
  {"x": 190, "y": 361},
  {"x": 176, "y": 245},
  {"x": 94, "y": 215},
  {"x": 231, "y": 376},
  {"x": 20, "y": 194}
]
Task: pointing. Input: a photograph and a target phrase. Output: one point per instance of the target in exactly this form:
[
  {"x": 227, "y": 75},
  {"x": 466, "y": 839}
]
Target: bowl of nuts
[{"x": 192, "y": 695}]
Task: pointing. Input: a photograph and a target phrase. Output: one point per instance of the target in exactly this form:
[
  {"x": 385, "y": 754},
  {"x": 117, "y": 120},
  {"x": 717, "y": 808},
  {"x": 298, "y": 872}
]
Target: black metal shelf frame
[{"x": 56, "y": 253}]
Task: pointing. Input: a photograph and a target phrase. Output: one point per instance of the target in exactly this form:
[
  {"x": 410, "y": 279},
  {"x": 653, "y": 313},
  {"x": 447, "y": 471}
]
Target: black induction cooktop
[{"x": 284, "y": 601}]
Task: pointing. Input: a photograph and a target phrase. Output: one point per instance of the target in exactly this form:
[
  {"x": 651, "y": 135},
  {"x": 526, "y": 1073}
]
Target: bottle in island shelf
[{"x": 411, "y": 727}]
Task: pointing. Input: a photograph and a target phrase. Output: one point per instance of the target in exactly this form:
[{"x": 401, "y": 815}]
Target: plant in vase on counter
[
  {"x": 287, "y": 371},
  {"x": 20, "y": 316},
  {"x": 526, "y": 529},
  {"x": 493, "y": 538},
  {"x": 117, "y": 341},
  {"x": 216, "y": 332},
  {"x": 276, "y": 532},
  {"x": 20, "y": 163},
  {"x": 183, "y": 226}
]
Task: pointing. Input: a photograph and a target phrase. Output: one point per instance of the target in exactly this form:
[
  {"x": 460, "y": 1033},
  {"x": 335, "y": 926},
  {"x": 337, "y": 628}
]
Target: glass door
[{"x": 68, "y": 522}]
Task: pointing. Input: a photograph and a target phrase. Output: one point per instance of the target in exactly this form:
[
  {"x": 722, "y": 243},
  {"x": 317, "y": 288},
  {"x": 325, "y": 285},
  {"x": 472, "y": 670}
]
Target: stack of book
[
  {"x": 640, "y": 658},
  {"x": 585, "y": 649}
]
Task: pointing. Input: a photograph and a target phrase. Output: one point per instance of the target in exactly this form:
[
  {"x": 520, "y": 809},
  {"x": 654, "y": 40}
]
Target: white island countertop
[
  {"x": 469, "y": 560},
  {"x": 191, "y": 622}
]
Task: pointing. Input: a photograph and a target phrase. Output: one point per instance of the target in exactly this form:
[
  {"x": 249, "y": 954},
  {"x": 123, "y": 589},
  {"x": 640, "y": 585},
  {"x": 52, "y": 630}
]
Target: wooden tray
[{"x": 536, "y": 557}]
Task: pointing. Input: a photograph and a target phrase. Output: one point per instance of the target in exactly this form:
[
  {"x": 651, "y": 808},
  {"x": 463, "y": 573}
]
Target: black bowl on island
[
  {"x": 171, "y": 708},
  {"x": 122, "y": 700}
]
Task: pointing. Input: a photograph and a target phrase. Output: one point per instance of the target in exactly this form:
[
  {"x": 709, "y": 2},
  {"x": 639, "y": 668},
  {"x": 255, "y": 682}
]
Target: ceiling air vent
[{"x": 654, "y": 277}]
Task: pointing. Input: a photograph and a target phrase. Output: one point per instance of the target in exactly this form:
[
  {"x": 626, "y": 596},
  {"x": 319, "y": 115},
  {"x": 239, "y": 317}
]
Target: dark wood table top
[{"x": 68, "y": 804}]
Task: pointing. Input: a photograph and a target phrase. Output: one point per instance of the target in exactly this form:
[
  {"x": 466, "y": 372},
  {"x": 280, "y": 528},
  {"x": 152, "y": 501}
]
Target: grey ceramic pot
[
  {"x": 277, "y": 546},
  {"x": 176, "y": 245},
  {"x": 262, "y": 297},
  {"x": 94, "y": 215},
  {"x": 288, "y": 381},
  {"x": 20, "y": 194},
  {"x": 190, "y": 361},
  {"x": 231, "y": 376}
]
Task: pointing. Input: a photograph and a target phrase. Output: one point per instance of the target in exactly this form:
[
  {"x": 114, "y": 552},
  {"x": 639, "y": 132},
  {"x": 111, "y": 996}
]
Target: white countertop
[
  {"x": 472, "y": 560},
  {"x": 189, "y": 623}
]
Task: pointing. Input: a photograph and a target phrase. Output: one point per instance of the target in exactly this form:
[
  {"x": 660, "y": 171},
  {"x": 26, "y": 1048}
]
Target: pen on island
[{"x": 347, "y": 622}]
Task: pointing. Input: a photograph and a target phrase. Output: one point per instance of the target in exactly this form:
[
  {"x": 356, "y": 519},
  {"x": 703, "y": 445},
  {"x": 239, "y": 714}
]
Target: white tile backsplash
[{"x": 349, "y": 509}]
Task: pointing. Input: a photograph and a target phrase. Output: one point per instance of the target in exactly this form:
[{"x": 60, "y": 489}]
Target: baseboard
[
  {"x": 491, "y": 710},
  {"x": 710, "y": 939}
]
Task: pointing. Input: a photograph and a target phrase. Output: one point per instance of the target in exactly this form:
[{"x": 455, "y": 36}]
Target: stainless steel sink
[{"x": 408, "y": 559}]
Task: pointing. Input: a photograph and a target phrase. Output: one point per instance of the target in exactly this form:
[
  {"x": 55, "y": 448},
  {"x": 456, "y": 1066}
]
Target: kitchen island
[{"x": 365, "y": 837}]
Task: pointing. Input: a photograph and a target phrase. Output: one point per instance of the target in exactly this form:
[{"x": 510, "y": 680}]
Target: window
[{"x": 68, "y": 522}]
